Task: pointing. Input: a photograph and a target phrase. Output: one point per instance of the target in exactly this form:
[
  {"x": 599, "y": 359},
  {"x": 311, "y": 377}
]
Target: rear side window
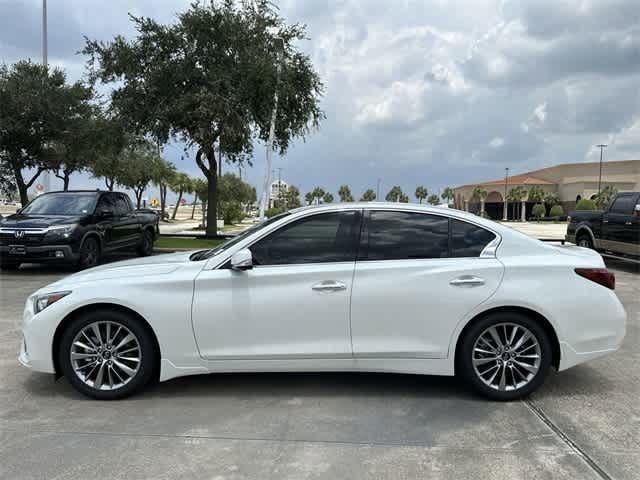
[
  {"x": 404, "y": 235},
  {"x": 328, "y": 237},
  {"x": 122, "y": 206},
  {"x": 623, "y": 204},
  {"x": 468, "y": 240}
]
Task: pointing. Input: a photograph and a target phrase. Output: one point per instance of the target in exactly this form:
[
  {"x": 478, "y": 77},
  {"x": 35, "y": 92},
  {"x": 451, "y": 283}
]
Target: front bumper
[
  {"x": 37, "y": 254},
  {"x": 570, "y": 238}
]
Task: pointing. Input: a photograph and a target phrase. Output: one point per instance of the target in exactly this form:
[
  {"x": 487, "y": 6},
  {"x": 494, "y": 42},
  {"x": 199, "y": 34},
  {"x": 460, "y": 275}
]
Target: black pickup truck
[
  {"x": 615, "y": 230},
  {"x": 75, "y": 227}
]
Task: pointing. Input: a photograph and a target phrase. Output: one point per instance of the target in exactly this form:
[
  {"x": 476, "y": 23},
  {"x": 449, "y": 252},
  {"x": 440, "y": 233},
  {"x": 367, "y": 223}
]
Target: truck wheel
[
  {"x": 146, "y": 244},
  {"x": 89, "y": 253},
  {"x": 584, "y": 240}
]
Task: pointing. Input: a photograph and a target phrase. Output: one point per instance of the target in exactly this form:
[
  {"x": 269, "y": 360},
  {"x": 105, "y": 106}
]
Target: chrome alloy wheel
[
  {"x": 105, "y": 355},
  {"x": 506, "y": 356}
]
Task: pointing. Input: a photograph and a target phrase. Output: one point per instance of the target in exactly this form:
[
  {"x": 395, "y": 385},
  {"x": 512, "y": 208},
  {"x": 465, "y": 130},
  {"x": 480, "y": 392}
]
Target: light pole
[
  {"x": 272, "y": 130},
  {"x": 602, "y": 146},
  {"x": 506, "y": 181},
  {"x": 45, "y": 62},
  {"x": 378, "y": 189}
]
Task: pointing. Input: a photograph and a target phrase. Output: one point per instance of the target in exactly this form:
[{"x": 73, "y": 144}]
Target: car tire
[
  {"x": 146, "y": 244},
  {"x": 518, "y": 372},
  {"x": 584, "y": 240},
  {"x": 89, "y": 253},
  {"x": 123, "y": 376},
  {"x": 9, "y": 266}
]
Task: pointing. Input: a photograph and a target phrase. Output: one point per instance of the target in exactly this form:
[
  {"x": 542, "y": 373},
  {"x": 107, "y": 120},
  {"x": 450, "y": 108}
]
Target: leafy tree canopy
[
  {"x": 368, "y": 196},
  {"x": 344, "y": 192},
  {"x": 421, "y": 193}
]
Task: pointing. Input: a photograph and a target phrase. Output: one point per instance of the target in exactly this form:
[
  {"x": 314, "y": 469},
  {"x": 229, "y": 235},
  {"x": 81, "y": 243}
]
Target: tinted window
[
  {"x": 329, "y": 237},
  {"x": 61, "y": 204},
  {"x": 106, "y": 203},
  {"x": 468, "y": 240},
  {"x": 624, "y": 204},
  {"x": 122, "y": 206},
  {"x": 402, "y": 235}
]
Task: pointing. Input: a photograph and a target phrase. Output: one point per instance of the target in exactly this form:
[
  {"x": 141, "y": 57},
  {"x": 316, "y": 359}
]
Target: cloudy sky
[{"x": 431, "y": 92}]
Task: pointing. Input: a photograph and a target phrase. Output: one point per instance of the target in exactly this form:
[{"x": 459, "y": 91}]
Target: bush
[
  {"x": 586, "y": 204},
  {"x": 538, "y": 211},
  {"x": 232, "y": 212},
  {"x": 272, "y": 212},
  {"x": 556, "y": 211}
]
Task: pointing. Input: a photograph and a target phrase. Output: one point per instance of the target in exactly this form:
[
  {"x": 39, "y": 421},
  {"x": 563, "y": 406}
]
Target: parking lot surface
[{"x": 584, "y": 423}]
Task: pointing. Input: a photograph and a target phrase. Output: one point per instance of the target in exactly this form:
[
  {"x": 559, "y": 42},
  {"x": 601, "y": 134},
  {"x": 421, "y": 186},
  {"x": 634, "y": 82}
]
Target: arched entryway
[{"x": 494, "y": 206}]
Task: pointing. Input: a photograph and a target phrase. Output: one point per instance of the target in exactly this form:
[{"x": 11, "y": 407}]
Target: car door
[
  {"x": 618, "y": 225},
  {"x": 416, "y": 277},
  {"x": 106, "y": 219},
  {"x": 129, "y": 224},
  {"x": 293, "y": 303}
]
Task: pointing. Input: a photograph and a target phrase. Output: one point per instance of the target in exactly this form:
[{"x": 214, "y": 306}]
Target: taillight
[{"x": 599, "y": 275}]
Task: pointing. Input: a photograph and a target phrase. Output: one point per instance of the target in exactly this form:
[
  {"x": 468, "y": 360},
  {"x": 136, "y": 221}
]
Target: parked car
[
  {"x": 75, "y": 227},
  {"x": 615, "y": 230},
  {"x": 350, "y": 287}
]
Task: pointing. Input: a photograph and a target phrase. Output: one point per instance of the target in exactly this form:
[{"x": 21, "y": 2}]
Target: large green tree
[
  {"x": 421, "y": 193},
  {"x": 344, "y": 192},
  {"x": 368, "y": 196},
  {"x": 37, "y": 118},
  {"x": 162, "y": 175},
  {"x": 396, "y": 195},
  {"x": 210, "y": 80},
  {"x": 448, "y": 195},
  {"x": 180, "y": 184},
  {"x": 141, "y": 165},
  {"x": 112, "y": 146}
]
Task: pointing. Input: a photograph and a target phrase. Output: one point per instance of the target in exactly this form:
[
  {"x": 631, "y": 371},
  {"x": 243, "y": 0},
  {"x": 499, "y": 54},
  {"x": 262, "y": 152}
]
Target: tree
[
  {"x": 112, "y": 145},
  {"x": 327, "y": 198},
  {"x": 480, "y": 194},
  {"x": 396, "y": 195},
  {"x": 344, "y": 192},
  {"x": 538, "y": 211},
  {"x": 586, "y": 204},
  {"x": 292, "y": 197},
  {"x": 421, "y": 193},
  {"x": 556, "y": 212},
  {"x": 448, "y": 195},
  {"x": 433, "y": 199},
  {"x": 536, "y": 194},
  {"x": 315, "y": 195},
  {"x": 36, "y": 109},
  {"x": 139, "y": 171},
  {"x": 162, "y": 175},
  {"x": 368, "y": 196},
  {"x": 200, "y": 188},
  {"x": 605, "y": 196},
  {"x": 551, "y": 199},
  {"x": 181, "y": 183},
  {"x": 210, "y": 79},
  {"x": 516, "y": 195}
]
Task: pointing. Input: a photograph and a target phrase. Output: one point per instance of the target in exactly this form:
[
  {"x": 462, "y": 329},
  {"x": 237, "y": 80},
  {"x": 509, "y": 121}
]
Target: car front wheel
[
  {"x": 89, "y": 253},
  {"x": 107, "y": 354},
  {"x": 505, "y": 355},
  {"x": 146, "y": 244}
]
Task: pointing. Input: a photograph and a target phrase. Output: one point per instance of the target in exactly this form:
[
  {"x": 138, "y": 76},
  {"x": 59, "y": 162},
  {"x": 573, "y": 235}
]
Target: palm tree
[
  {"x": 316, "y": 195},
  {"x": 448, "y": 195},
  {"x": 181, "y": 183},
  {"x": 344, "y": 192},
  {"x": 395, "y": 195},
  {"x": 421, "y": 193},
  {"x": 308, "y": 197},
  {"x": 536, "y": 194},
  {"x": 327, "y": 198},
  {"x": 368, "y": 196},
  {"x": 516, "y": 195},
  {"x": 433, "y": 199},
  {"x": 551, "y": 199},
  {"x": 605, "y": 196},
  {"x": 480, "y": 194}
]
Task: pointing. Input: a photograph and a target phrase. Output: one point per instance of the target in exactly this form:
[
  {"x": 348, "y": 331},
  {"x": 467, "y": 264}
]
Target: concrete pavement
[{"x": 583, "y": 424}]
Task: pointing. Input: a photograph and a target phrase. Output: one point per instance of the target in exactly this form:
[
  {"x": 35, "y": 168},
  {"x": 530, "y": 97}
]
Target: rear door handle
[
  {"x": 329, "y": 286},
  {"x": 467, "y": 280}
]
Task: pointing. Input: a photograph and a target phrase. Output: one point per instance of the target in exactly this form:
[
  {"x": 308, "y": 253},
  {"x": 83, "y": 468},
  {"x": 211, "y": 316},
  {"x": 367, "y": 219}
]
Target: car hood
[
  {"x": 138, "y": 267},
  {"x": 38, "y": 221}
]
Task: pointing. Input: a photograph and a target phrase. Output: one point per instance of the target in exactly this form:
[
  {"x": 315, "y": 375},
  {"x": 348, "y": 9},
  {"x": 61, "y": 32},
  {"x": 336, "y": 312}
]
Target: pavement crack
[{"x": 538, "y": 412}]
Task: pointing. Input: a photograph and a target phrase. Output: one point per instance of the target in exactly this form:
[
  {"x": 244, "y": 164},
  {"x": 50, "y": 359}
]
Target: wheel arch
[
  {"x": 95, "y": 235},
  {"x": 581, "y": 229},
  {"x": 544, "y": 323},
  {"x": 66, "y": 321}
]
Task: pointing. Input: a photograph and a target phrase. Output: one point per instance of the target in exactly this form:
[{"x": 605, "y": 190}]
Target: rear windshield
[{"x": 65, "y": 204}]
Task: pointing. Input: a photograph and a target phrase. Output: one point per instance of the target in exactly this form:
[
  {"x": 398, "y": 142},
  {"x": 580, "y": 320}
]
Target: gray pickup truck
[{"x": 615, "y": 230}]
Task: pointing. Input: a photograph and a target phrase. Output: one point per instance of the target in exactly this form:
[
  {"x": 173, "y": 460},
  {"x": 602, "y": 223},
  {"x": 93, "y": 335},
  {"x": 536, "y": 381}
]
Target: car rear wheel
[
  {"x": 584, "y": 240},
  {"x": 107, "y": 355},
  {"x": 89, "y": 253},
  {"x": 9, "y": 266},
  {"x": 146, "y": 244},
  {"x": 505, "y": 355}
]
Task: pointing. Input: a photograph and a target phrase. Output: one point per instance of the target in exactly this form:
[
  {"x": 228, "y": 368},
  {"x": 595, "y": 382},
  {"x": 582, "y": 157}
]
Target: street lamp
[
  {"x": 279, "y": 45},
  {"x": 506, "y": 180},
  {"x": 46, "y": 176},
  {"x": 602, "y": 146}
]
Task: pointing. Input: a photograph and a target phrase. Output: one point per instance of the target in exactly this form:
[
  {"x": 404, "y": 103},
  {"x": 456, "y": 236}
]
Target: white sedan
[{"x": 348, "y": 287}]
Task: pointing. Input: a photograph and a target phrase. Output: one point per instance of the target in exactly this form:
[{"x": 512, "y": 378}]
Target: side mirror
[{"x": 242, "y": 260}]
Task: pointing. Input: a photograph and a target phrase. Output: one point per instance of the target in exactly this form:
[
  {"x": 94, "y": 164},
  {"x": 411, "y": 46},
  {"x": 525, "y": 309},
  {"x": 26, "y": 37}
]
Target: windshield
[
  {"x": 233, "y": 241},
  {"x": 65, "y": 204}
]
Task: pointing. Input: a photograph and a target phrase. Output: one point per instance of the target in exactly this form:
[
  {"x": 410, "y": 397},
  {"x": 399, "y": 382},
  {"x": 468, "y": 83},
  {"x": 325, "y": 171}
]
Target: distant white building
[{"x": 277, "y": 187}]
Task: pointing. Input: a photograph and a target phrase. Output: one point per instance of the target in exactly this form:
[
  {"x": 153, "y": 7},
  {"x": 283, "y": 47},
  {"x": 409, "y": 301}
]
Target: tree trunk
[
  {"x": 175, "y": 210},
  {"x": 108, "y": 182},
  {"x": 211, "y": 173},
  {"x": 163, "y": 198},
  {"x": 23, "y": 187},
  {"x": 138, "y": 193},
  {"x": 193, "y": 208},
  {"x": 65, "y": 181}
]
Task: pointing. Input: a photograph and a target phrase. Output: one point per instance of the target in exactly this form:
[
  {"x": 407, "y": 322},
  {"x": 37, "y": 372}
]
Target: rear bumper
[{"x": 39, "y": 254}]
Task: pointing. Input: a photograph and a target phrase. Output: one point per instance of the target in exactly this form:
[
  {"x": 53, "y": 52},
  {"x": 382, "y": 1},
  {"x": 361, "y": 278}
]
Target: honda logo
[{"x": 18, "y": 234}]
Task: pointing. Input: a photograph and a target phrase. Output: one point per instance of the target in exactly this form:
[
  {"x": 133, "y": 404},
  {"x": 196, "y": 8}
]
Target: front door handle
[
  {"x": 627, "y": 223},
  {"x": 467, "y": 280},
  {"x": 329, "y": 286}
]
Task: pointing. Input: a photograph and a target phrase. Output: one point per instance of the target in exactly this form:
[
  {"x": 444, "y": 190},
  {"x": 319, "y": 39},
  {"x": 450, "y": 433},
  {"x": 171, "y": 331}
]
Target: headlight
[
  {"x": 58, "y": 232},
  {"x": 41, "y": 302}
]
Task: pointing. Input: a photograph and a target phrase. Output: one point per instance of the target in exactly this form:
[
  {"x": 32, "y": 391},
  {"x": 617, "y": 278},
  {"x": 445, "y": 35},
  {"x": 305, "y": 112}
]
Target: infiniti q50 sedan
[{"x": 349, "y": 287}]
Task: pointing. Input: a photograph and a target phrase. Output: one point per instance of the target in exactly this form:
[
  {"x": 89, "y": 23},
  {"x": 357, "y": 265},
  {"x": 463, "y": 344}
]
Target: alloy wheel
[
  {"x": 105, "y": 355},
  {"x": 506, "y": 356}
]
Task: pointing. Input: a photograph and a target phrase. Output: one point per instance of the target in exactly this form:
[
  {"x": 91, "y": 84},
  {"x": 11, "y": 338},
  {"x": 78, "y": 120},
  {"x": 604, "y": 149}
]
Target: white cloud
[{"x": 497, "y": 142}]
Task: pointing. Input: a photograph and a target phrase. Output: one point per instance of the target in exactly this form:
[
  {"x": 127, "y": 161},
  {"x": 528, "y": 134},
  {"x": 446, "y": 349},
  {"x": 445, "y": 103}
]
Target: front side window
[
  {"x": 394, "y": 235},
  {"x": 66, "y": 204},
  {"x": 122, "y": 207},
  {"x": 623, "y": 205},
  {"x": 106, "y": 203},
  {"x": 468, "y": 240},
  {"x": 322, "y": 238}
]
